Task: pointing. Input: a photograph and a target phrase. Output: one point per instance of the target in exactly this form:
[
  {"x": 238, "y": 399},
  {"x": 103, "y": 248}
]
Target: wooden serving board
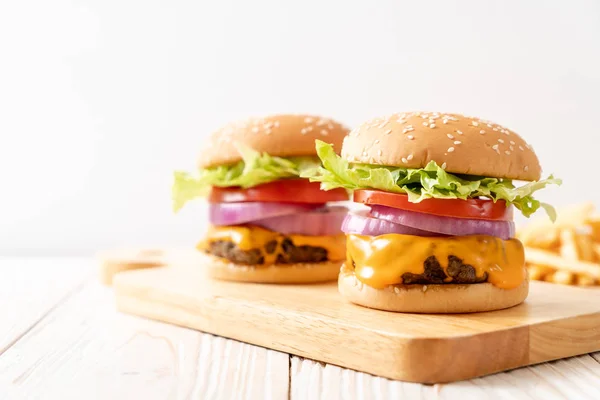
[{"x": 313, "y": 321}]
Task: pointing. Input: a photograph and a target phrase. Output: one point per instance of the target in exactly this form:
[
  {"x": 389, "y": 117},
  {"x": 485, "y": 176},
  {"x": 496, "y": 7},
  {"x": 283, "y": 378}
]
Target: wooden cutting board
[{"x": 313, "y": 321}]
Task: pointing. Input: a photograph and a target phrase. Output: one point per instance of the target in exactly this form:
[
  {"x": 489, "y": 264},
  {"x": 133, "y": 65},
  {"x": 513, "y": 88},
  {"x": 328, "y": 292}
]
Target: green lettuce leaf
[
  {"x": 254, "y": 169},
  {"x": 424, "y": 183}
]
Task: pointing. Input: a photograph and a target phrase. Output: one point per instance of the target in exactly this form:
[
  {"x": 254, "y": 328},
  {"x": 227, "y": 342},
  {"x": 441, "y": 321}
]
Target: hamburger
[
  {"x": 436, "y": 232},
  {"x": 267, "y": 224}
]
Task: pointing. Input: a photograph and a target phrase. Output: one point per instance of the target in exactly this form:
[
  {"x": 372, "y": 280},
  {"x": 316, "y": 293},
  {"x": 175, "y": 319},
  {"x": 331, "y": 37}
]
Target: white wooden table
[{"x": 61, "y": 338}]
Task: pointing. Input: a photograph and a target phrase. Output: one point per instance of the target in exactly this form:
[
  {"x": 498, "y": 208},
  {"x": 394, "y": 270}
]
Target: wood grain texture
[
  {"x": 409, "y": 347},
  {"x": 84, "y": 349},
  {"x": 572, "y": 378},
  {"x": 31, "y": 287}
]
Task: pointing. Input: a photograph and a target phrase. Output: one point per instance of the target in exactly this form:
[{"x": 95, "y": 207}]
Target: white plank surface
[
  {"x": 573, "y": 378},
  {"x": 31, "y": 287},
  {"x": 60, "y": 337},
  {"x": 85, "y": 349}
]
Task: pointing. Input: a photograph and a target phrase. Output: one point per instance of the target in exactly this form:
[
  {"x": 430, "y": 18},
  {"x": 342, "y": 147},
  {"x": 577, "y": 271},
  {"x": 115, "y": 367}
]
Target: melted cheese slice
[
  {"x": 253, "y": 237},
  {"x": 382, "y": 260}
]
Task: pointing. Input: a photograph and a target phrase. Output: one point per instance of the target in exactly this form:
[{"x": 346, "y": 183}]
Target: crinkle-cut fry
[{"x": 547, "y": 258}]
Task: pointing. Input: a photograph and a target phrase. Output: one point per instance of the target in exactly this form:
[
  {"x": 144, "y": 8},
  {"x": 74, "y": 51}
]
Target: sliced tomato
[
  {"x": 471, "y": 208},
  {"x": 286, "y": 190}
]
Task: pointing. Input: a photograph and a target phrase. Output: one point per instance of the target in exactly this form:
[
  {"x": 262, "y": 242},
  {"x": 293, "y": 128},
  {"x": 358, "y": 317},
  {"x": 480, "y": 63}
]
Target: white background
[{"x": 101, "y": 100}]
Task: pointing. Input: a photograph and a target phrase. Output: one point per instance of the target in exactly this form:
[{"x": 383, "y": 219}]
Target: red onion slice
[
  {"x": 444, "y": 225},
  {"x": 322, "y": 222},
  {"x": 362, "y": 224},
  {"x": 241, "y": 213}
]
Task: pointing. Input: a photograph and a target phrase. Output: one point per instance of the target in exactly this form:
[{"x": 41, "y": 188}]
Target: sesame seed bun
[
  {"x": 284, "y": 135},
  {"x": 459, "y": 144},
  {"x": 219, "y": 268},
  {"x": 430, "y": 299}
]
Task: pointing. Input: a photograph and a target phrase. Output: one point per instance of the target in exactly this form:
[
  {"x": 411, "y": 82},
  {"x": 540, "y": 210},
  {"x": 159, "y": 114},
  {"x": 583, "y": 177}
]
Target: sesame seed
[
  {"x": 404, "y": 160},
  {"x": 255, "y": 129},
  {"x": 445, "y": 121},
  {"x": 482, "y": 132},
  {"x": 380, "y": 153},
  {"x": 507, "y": 153},
  {"x": 459, "y": 132},
  {"x": 308, "y": 120},
  {"x": 268, "y": 132},
  {"x": 376, "y": 141},
  {"x": 511, "y": 148},
  {"x": 512, "y": 142},
  {"x": 324, "y": 132},
  {"x": 489, "y": 125},
  {"x": 432, "y": 126},
  {"x": 450, "y": 149},
  {"x": 500, "y": 141},
  {"x": 495, "y": 129},
  {"x": 526, "y": 168},
  {"x": 450, "y": 136},
  {"x": 303, "y": 131},
  {"x": 425, "y": 124},
  {"x": 396, "y": 290},
  {"x": 495, "y": 147},
  {"x": 521, "y": 148},
  {"x": 475, "y": 123},
  {"x": 330, "y": 126},
  {"x": 424, "y": 288},
  {"x": 310, "y": 128},
  {"x": 457, "y": 142},
  {"x": 444, "y": 166},
  {"x": 410, "y": 137},
  {"x": 410, "y": 157},
  {"x": 388, "y": 132}
]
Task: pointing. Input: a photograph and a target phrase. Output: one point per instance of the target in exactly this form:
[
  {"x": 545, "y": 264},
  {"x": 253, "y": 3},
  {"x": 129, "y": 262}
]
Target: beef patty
[
  {"x": 434, "y": 273},
  {"x": 288, "y": 253}
]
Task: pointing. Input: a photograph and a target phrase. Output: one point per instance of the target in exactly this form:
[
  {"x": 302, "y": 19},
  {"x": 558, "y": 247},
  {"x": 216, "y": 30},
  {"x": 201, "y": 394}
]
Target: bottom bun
[
  {"x": 219, "y": 268},
  {"x": 429, "y": 299}
]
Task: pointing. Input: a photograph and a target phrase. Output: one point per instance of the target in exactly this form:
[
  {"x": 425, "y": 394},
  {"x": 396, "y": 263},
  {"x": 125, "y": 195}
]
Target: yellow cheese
[
  {"x": 253, "y": 237},
  {"x": 382, "y": 260}
]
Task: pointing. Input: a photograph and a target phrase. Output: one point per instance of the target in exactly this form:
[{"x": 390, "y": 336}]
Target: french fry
[
  {"x": 585, "y": 246},
  {"x": 561, "y": 276},
  {"x": 583, "y": 280},
  {"x": 538, "y": 272},
  {"x": 568, "y": 247},
  {"x": 547, "y": 258},
  {"x": 596, "y": 248},
  {"x": 594, "y": 223},
  {"x": 543, "y": 233}
]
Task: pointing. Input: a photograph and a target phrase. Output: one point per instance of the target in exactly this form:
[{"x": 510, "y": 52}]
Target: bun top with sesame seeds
[
  {"x": 284, "y": 135},
  {"x": 457, "y": 143}
]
